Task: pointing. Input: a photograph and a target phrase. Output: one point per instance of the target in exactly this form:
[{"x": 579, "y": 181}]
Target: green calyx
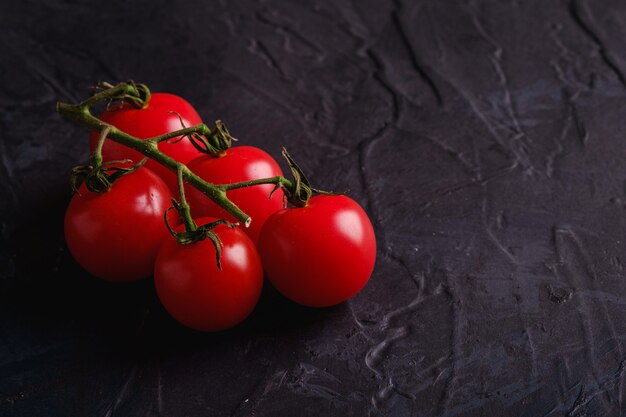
[
  {"x": 137, "y": 95},
  {"x": 215, "y": 143},
  {"x": 300, "y": 191},
  {"x": 192, "y": 233},
  {"x": 99, "y": 178},
  {"x": 198, "y": 233}
]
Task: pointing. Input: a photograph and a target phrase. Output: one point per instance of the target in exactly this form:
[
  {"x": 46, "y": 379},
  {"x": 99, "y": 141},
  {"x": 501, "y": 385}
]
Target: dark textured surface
[{"x": 485, "y": 139}]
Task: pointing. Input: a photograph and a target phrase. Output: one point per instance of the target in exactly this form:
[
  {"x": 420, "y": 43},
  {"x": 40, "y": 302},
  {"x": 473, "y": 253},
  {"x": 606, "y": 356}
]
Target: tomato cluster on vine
[{"x": 208, "y": 267}]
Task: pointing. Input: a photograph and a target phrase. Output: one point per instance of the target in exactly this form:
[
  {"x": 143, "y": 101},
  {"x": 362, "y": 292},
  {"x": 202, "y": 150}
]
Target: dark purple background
[{"x": 484, "y": 138}]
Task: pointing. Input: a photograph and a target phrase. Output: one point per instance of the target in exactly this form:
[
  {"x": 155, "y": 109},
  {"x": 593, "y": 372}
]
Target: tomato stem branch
[
  {"x": 183, "y": 206},
  {"x": 201, "y": 129},
  {"x": 278, "y": 181},
  {"x": 116, "y": 92},
  {"x": 81, "y": 114},
  {"x": 96, "y": 156}
]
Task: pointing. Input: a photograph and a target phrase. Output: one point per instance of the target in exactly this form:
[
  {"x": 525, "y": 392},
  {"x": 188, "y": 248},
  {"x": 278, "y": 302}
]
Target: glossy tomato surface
[
  {"x": 319, "y": 255},
  {"x": 116, "y": 235},
  {"x": 154, "y": 120},
  {"x": 241, "y": 163},
  {"x": 198, "y": 294}
]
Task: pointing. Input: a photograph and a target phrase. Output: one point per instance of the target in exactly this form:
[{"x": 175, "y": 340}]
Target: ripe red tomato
[
  {"x": 116, "y": 235},
  {"x": 319, "y": 255},
  {"x": 198, "y": 294},
  {"x": 154, "y": 120},
  {"x": 241, "y": 163}
]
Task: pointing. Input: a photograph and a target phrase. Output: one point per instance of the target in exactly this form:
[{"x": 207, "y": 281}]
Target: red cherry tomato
[
  {"x": 154, "y": 120},
  {"x": 241, "y": 163},
  {"x": 319, "y": 255},
  {"x": 198, "y": 294},
  {"x": 116, "y": 235}
]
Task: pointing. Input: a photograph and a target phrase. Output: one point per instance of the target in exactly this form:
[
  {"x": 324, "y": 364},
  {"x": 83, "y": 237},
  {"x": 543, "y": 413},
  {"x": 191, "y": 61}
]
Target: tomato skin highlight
[
  {"x": 319, "y": 255},
  {"x": 153, "y": 120},
  {"x": 116, "y": 235},
  {"x": 240, "y": 163},
  {"x": 199, "y": 295}
]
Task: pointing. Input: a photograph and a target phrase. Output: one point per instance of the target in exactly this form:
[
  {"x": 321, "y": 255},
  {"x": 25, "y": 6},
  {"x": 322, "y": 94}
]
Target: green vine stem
[
  {"x": 96, "y": 156},
  {"x": 278, "y": 181},
  {"x": 183, "y": 206},
  {"x": 81, "y": 114}
]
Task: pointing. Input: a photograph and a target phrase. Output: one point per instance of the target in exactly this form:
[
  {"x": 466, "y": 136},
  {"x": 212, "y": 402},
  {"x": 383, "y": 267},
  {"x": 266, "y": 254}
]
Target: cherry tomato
[
  {"x": 319, "y": 255},
  {"x": 116, "y": 235},
  {"x": 154, "y": 120},
  {"x": 241, "y": 163},
  {"x": 198, "y": 294}
]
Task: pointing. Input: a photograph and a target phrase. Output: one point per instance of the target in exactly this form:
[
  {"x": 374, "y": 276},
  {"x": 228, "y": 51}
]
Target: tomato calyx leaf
[
  {"x": 138, "y": 96},
  {"x": 188, "y": 237},
  {"x": 301, "y": 192},
  {"x": 99, "y": 178},
  {"x": 215, "y": 143}
]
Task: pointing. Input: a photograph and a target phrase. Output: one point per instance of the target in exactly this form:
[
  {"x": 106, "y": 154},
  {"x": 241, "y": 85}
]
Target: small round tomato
[
  {"x": 319, "y": 255},
  {"x": 196, "y": 292},
  {"x": 241, "y": 163},
  {"x": 154, "y": 120},
  {"x": 116, "y": 235}
]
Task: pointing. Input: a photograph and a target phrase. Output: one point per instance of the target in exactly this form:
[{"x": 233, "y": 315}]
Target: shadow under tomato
[
  {"x": 274, "y": 317},
  {"x": 275, "y": 313}
]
